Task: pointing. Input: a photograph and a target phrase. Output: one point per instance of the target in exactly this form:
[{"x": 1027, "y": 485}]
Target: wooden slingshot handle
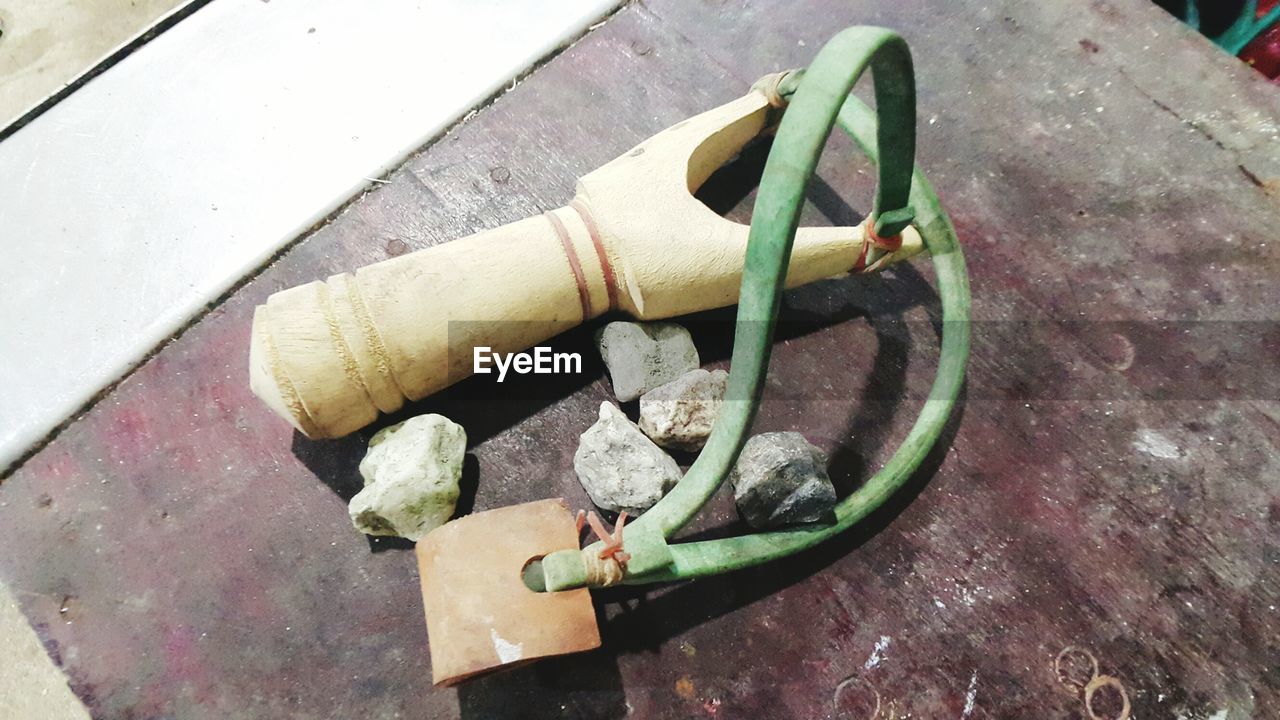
[{"x": 328, "y": 356}]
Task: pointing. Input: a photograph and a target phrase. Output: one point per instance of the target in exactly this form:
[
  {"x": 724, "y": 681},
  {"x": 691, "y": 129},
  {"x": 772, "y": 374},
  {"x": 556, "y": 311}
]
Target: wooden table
[{"x": 1110, "y": 485}]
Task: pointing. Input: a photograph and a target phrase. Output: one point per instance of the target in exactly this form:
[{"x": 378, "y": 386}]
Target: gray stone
[
  {"x": 619, "y": 467},
  {"x": 411, "y": 475},
  {"x": 680, "y": 414},
  {"x": 780, "y": 479},
  {"x": 642, "y": 356}
]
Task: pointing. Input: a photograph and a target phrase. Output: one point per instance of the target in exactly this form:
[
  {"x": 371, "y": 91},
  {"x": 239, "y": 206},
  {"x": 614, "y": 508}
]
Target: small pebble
[
  {"x": 681, "y": 413},
  {"x": 642, "y": 356},
  {"x": 619, "y": 467},
  {"x": 781, "y": 479},
  {"x": 411, "y": 474}
]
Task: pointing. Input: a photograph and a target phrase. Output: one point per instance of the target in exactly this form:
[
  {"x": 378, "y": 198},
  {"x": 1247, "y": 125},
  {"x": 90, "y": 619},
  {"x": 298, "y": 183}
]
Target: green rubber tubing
[{"x": 819, "y": 99}]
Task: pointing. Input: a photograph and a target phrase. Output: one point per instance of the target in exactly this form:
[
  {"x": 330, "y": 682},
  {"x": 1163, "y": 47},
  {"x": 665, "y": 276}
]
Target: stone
[
  {"x": 411, "y": 474},
  {"x": 781, "y": 479},
  {"x": 642, "y": 356},
  {"x": 680, "y": 414},
  {"x": 619, "y": 467}
]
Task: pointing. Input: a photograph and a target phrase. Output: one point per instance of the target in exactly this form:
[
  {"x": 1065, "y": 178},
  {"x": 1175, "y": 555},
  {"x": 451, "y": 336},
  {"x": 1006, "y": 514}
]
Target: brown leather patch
[{"x": 480, "y": 615}]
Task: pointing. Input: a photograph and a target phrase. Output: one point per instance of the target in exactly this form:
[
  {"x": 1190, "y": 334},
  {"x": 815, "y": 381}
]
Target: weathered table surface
[{"x": 1110, "y": 486}]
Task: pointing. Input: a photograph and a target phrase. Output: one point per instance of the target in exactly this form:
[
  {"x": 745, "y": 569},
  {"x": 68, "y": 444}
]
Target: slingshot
[
  {"x": 818, "y": 99},
  {"x": 511, "y": 585}
]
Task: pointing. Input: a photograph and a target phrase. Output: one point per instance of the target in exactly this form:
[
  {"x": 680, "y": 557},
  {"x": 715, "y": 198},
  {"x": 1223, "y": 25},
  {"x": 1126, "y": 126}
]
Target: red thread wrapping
[
  {"x": 584, "y": 296},
  {"x": 605, "y": 268}
]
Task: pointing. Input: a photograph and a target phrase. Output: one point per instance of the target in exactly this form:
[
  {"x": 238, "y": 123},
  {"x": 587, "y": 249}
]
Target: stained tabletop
[{"x": 1104, "y": 506}]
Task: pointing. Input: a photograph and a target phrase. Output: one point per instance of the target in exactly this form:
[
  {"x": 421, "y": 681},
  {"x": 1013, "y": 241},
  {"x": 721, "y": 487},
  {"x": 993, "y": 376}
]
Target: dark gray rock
[
  {"x": 642, "y": 356},
  {"x": 619, "y": 467},
  {"x": 781, "y": 479},
  {"x": 681, "y": 413}
]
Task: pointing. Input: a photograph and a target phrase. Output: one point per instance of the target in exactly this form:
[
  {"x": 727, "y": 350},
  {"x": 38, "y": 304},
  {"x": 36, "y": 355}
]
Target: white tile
[
  {"x": 49, "y": 43},
  {"x": 109, "y": 237},
  {"x": 31, "y": 686}
]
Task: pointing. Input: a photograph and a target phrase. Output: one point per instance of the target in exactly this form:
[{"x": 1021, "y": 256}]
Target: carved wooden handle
[{"x": 329, "y": 355}]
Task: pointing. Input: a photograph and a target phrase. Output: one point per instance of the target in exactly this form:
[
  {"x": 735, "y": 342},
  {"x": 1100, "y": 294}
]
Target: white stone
[
  {"x": 642, "y": 356},
  {"x": 681, "y": 413},
  {"x": 411, "y": 475},
  {"x": 162, "y": 226},
  {"x": 619, "y": 467}
]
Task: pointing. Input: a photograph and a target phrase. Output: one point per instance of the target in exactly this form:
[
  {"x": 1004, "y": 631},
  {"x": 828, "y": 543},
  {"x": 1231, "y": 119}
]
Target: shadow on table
[
  {"x": 647, "y": 622},
  {"x": 586, "y": 685},
  {"x": 480, "y": 405},
  {"x": 590, "y": 684}
]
